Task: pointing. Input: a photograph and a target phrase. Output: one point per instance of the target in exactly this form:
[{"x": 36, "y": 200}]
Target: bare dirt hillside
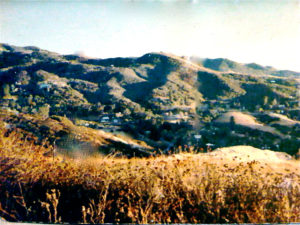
[
  {"x": 284, "y": 120},
  {"x": 249, "y": 153},
  {"x": 246, "y": 120}
]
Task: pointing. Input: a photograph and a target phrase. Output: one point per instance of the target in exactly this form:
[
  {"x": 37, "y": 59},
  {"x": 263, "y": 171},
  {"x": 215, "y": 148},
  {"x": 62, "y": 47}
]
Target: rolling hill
[{"x": 158, "y": 98}]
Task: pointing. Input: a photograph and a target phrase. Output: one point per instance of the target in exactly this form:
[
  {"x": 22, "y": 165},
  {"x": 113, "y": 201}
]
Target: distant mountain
[{"x": 226, "y": 65}]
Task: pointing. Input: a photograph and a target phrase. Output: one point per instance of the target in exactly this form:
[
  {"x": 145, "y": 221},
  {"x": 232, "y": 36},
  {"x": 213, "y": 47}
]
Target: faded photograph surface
[{"x": 149, "y": 111}]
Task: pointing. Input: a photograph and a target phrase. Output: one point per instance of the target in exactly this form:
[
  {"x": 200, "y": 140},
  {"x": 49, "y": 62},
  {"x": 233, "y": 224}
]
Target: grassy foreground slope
[{"x": 182, "y": 188}]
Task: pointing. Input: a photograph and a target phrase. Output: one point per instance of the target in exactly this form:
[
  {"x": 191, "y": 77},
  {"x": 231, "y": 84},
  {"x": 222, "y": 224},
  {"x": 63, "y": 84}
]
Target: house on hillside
[
  {"x": 177, "y": 118},
  {"x": 209, "y": 145},
  {"x": 116, "y": 121},
  {"x": 278, "y": 107},
  {"x": 59, "y": 83},
  {"x": 111, "y": 118},
  {"x": 45, "y": 86},
  {"x": 203, "y": 107},
  {"x": 197, "y": 136},
  {"x": 104, "y": 119}
]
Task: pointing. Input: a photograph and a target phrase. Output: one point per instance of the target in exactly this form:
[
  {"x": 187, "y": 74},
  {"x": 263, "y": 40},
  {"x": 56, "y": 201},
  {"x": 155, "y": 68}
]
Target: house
[
  {"x": 175, "y": 118},
  {"x": 44, "y": 86},
  {"x": 278, "y": 107},
  {"x": 104, "y": 119},
  {"x": 59, "y": 83},
  {"x": 197, "y": 136},
  {"x": 116, "y": 121},
  {"x": 209, "y": 145},
  {"x": 203, "y": 107}
]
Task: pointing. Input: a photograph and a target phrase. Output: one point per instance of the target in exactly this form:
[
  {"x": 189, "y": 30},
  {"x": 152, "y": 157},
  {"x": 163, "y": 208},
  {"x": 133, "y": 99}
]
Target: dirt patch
[{"x": 246, "y": 120}]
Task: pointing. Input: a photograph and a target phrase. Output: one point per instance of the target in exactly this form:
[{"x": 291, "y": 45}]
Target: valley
[{"x": 161, "y": 100}]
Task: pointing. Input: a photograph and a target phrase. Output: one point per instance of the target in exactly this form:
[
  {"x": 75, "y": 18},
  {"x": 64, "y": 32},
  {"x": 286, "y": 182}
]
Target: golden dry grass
[{"x": 182, "y": 188}]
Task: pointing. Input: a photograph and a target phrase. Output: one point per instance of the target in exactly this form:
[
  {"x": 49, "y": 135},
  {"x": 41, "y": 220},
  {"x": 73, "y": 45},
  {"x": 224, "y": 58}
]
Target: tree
[
  {"x": 274, "y": 102},
  {"x": 266, "y": 100},
  {"x": 44, "y": 110},
  {"x": 6, "y": 90},
  {"x": 232, "y": 123},
  {"x": 30, "y": 101},
  {"x": 298, "y": 154},
  {"x": 127, "y": 112},
  {"x": 22, "y": 78}
]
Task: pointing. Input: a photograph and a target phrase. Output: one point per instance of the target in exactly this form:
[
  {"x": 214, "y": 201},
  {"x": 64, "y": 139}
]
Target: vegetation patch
[{"x": 183, "y": 188}]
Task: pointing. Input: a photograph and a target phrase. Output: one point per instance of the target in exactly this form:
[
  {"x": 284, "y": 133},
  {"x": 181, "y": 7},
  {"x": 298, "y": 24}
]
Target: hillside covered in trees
[{"x": 153, "y": 103}]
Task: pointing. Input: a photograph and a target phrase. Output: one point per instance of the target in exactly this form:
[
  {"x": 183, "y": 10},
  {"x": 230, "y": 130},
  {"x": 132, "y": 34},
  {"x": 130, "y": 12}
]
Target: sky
[{"x": 263, "y": 31}]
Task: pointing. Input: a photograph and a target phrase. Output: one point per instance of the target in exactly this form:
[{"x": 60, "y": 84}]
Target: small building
[
  {"x": 209, "y": 145},
  {"x": 203, "y": 107},
  {"x": 104, "y": 119},
  {"x": 44, "y": 86},
  {"x": 175, "y": 118},
  {"x": 116, "y": 121},
  {"x": 197, "y": 136}
]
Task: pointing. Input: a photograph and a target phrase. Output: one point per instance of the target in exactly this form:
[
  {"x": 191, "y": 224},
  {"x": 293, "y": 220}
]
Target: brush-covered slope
[
  {"x": 235, "y": 185},
  {"x": 149, "y": 81}
]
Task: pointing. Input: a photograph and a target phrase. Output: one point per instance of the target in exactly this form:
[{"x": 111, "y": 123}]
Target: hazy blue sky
[{"x": 262, "y": 31}]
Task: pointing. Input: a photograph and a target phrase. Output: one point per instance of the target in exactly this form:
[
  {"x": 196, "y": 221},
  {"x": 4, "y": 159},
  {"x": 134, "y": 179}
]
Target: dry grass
[{"x": 183, "y": 188}]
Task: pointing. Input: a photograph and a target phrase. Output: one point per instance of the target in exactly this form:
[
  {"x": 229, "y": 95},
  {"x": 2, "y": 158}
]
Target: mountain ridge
[
  {"x": 206, "y": 63},
  {"x": 227, "y": 65}
]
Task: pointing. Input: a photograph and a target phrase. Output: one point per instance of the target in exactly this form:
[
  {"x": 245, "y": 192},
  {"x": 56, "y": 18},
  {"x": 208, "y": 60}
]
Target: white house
[{"x": 104, "y": 119}]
